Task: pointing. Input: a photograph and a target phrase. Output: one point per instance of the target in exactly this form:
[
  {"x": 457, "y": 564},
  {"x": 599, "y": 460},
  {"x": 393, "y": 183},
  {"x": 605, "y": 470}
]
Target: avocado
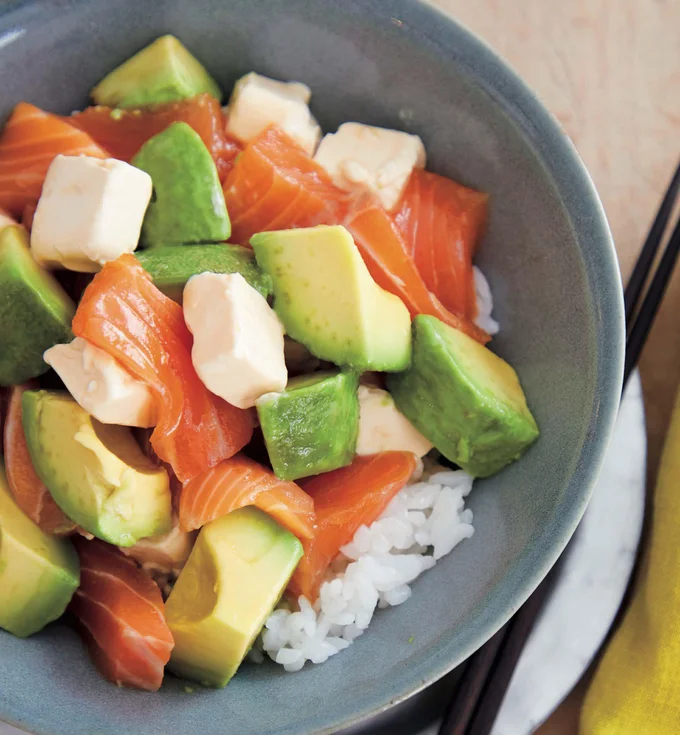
[
  {"x": 96, "y": 473},
  {"x": 38, "y": 573},
  {"x": 326, "y": 299},
  {"x": 171, "y": 266},
  {"x": 467, "y": 401},
  {"x": 312, "y": 426},
  {"x": 187, "y": 205},
  {"x": 35, "y": 312},
  {"x": 164, "y": 71},
  {"x": 237, "y": 571}
]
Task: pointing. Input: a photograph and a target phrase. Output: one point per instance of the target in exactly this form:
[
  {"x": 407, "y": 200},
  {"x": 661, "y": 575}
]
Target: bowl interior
[{"x": 553, "y": 274}]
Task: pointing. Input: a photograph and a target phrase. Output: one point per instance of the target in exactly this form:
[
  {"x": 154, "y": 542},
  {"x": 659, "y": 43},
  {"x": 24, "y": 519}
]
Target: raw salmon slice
[
  {"x": 29, "y": 142},
  {"x": 123, "y": 313},
  {"x": 276, "y": 185},
  {"x": 123, "y": 132},
  {"x": 392, "y": 267},
  {"x": 121, "y": 615},
  {"x": 344, "y": 500},
  {"x": 441, "y": 222},
  {"x": 25, "y": 485},
  {"x": 241, "y": 481}
]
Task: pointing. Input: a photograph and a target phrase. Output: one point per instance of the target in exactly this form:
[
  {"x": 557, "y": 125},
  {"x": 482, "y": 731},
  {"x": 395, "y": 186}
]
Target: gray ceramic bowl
[{"x": 553, "y": 272}]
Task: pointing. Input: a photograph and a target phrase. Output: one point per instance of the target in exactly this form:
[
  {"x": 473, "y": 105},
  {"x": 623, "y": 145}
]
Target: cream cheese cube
[
  {"x": 238, "y": 339},
  {"x": 6, "y": 220},
  {"x": 364, "y": 158},
  {"x": 101, "y": 385},
  {"x": 383, "y": 428},
  {"x": 258, "y": 102},
  {"x": 90, "y": 212}
]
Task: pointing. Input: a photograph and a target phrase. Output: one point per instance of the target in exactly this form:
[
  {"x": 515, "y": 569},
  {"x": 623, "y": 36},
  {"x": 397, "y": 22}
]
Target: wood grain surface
[{"x": 609, "y": 70}]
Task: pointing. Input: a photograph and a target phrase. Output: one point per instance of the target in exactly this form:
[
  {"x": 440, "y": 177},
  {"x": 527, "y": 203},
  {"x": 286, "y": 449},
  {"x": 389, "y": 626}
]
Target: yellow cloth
[{"x": 636, "y": 689}]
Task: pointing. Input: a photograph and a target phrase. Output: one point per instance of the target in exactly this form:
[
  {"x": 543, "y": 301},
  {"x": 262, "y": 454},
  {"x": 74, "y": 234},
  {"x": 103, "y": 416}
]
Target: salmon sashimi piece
[
  {"x": 387, "y": 258},
  {"x": 123, "y": 132},
  {"x": 121, "y": 614},
  {"x": 24, "y": 484},
  {"x": 275, "y": 184},
  {"x": 29, "y": 142},
  {"x": 28, "y": 214},
  {"x": 123, "y": 313},
  {"x": 441, "y": 223},
  {"x": 345, "y": 500},
  {"x": 241, "y": 481}
]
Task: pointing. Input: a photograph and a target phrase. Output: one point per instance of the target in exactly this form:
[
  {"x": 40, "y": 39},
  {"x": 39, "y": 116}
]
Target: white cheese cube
[
  {"x": 5, "y": 220},
  {"x": 258, "y": 102},
  {"x": 363, "y": 158},
  {"x": 238, "y": 339},
  {"x": 101, "y": 385},
  {"x": 383, "y": 428},
  {"x": 166, "y": 554},
  {"x": 90, "y": 212}
]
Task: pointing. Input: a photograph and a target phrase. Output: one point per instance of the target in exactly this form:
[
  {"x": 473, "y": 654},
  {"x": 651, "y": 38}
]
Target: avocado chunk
[
  {"x": 164, "y": 71},
  {"x": 327, "y": 299},
  {"x": 312, "y": 426},
  {"x": 38, "y": 573},
  {"x": 35, "y": 312},
  {"x": 467, "y": 401},
  {"x": 95, "y": 472},
  {"x": 171, "y": 266},
  {"x": 237, "y": 571},
  {"x": 187, "y": 205}
]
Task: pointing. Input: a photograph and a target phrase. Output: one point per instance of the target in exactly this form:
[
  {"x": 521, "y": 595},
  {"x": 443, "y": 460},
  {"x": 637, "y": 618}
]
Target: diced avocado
[
  {"x": 96, "y": 473},
  {"x": 312, "y": 426},
  {"x": 326, "y": 299},
  {"x": 172, "y": 266},
  {"x": 467, "y": 401},
  {"x": 38, "y": 573},
  {"x": 236, "y": 573},
  {"x": 187, "y": 205},
  {"x": 35, "y": 312},
  {"x": 164, "y": 71}
]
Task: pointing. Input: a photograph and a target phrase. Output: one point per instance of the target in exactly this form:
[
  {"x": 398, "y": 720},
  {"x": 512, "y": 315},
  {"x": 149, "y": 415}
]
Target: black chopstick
[{"x": 477, "y": 698}]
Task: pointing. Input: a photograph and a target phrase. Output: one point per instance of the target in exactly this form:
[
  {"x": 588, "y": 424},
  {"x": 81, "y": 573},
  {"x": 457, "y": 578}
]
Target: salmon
[
  {"x": 123, "y": 313},
  {"x": 121, "y": 616},
  {"x": 24, "y": 484},
  {"x": 241, "y": 481},
  {"x": 28, "y": 214},
  {"x": 123, "y": 132},
  {"x": 344, "y": 500},
  {"x": 276, "y": 185},
  {"x": 29, "y": 142},
  {"x": 388, "y": 260},
  {"x": 441, "y": 222}
]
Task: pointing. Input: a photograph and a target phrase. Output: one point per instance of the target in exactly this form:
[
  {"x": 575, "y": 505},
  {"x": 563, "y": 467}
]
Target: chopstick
[{"x": 477, "y": 698}]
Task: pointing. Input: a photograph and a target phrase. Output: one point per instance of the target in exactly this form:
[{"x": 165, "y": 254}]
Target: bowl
[{"x": 551, "y": 264}]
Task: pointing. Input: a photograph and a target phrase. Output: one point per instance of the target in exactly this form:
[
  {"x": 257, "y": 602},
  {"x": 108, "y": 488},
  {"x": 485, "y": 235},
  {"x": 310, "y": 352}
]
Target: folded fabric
[{"x": 636, "y": 689}]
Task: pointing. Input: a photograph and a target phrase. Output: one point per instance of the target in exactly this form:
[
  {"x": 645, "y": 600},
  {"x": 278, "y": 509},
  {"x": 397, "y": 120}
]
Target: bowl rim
[
  {"x": 575, "y": 186},
  {"x": 451, "y": 39}
]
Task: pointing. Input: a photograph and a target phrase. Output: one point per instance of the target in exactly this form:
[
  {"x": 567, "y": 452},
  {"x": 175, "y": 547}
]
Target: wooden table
[{"x": 609, "y": 70}]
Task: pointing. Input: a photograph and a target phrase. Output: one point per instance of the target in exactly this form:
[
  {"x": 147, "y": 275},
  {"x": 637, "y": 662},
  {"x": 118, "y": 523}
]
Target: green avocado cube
[
  {"x": 235, "y": 575},
  {"x": 171, "y": 266},
  {"x": 187, "y": 205},
  {"x": 35, "y": 312},
  {"x": 465, "y": 399},
  {"x": 328, "y": 301},
  {"x": 312, "y": 426},
  {"x": 96, "y": 473},
  {"x": 164, "y": 71},
  {"x": 38, "y": 573}
]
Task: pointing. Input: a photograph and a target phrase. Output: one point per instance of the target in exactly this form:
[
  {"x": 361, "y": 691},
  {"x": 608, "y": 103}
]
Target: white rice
[
  {"x": 484, "y": 303},
  {"x": 423, "y": 523}
]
